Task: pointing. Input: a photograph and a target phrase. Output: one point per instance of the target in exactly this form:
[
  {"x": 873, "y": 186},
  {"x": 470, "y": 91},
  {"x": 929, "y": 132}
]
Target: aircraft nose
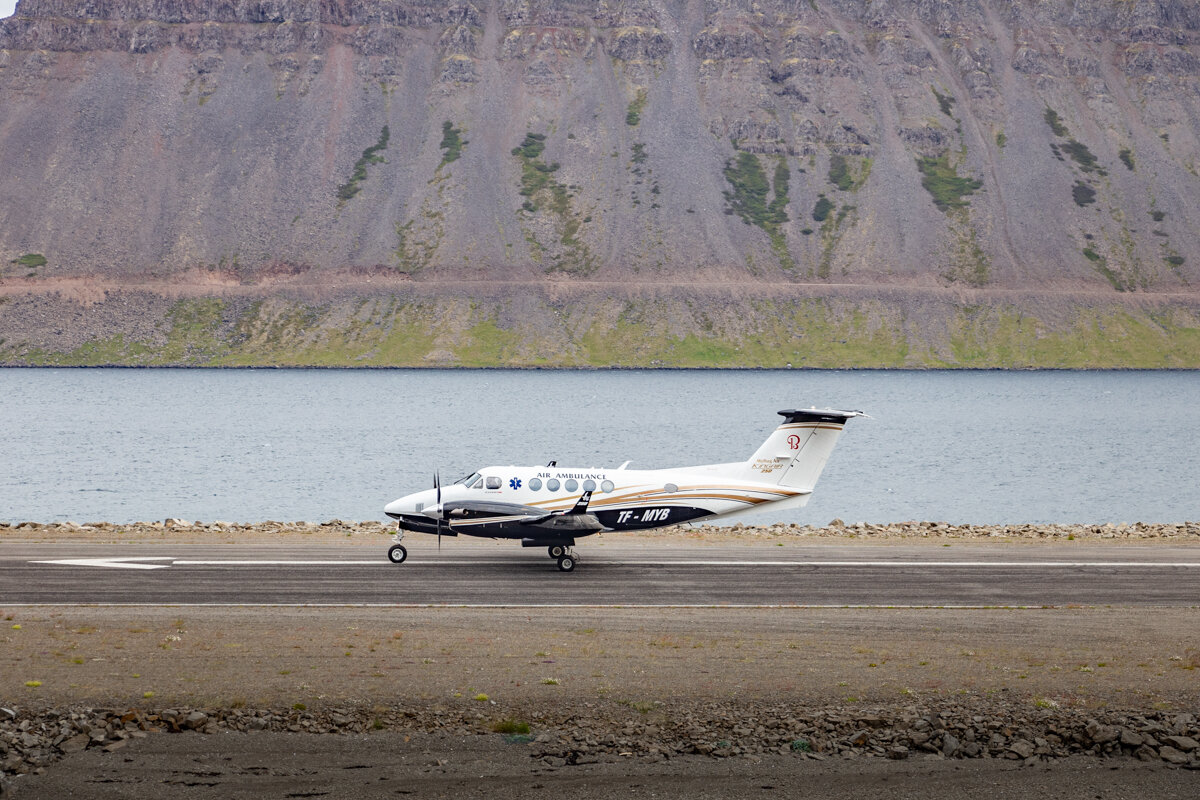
[{"x": 394, "y": 508}]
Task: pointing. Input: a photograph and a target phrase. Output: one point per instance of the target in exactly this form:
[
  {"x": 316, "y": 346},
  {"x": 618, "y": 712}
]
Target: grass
[
  {"x": 359, "y": 174},
  {"x": 30, "y": 260},
  {"x": 662, "y": 332},
  {"x": 1126, "y": 156},
  {"x": 511, "y": 727},
  {"x": 1001, "y": 139},
  {"x": 944, "y": 184},
  {"x": 452, "y": 142},
  {"x": 1175, "y": 261}
]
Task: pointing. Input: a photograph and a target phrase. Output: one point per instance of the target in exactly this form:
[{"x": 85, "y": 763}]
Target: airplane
[{"x": 552, "y": 506}]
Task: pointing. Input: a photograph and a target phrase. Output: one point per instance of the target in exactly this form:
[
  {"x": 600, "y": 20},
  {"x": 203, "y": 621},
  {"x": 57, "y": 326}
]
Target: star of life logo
[{"x": 514, "y": 483}]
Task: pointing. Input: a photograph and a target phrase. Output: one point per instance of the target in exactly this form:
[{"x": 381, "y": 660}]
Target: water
[{"x": 251, "y": 445}]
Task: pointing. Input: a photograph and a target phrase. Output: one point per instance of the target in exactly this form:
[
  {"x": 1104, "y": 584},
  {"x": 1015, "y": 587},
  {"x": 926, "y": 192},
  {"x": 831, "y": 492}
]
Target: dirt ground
[{"x": 1135, "y": 657}]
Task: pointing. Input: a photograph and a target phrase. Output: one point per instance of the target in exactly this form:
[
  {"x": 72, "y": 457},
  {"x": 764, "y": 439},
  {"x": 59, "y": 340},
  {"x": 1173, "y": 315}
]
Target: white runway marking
[
  {"x": 137, "y": 562},
  {"x": 143, "y": 562}
]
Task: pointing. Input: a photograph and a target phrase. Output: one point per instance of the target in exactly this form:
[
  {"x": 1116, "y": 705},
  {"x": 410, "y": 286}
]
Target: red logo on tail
[{"x": 794, "y": 442}]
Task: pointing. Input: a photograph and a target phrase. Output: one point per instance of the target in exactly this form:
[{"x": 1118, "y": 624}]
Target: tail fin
[{"x": 795, "y": 453}]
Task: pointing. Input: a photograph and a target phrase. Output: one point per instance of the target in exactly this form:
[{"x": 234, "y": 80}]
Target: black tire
[
  {"x": 556, "y": 550},
  {"x": 397, "y": 554},
  {"x": 566, "y": 563}
]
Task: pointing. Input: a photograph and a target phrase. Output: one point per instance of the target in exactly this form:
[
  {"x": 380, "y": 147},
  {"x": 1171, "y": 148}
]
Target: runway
[{"x": 614, "y": 573}]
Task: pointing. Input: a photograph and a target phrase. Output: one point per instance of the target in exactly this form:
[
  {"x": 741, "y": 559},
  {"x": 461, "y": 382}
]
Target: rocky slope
[{"x": 822, "y": 182}]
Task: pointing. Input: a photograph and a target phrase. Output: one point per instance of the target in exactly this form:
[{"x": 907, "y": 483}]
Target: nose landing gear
[{"x": 397, "y": 552}]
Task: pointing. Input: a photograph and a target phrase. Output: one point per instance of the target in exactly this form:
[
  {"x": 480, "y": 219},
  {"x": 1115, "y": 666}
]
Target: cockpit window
[
  {"x": 493, "y": 482},
  {"x": 467, "y": 481},
  {"x": 478, "y": 484}
]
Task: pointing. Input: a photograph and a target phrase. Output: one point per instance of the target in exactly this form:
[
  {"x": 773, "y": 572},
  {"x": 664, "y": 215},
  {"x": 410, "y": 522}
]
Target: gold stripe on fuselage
[{"x": 713, "y": 492}]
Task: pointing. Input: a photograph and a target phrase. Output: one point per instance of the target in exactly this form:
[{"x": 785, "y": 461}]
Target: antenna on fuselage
[{"x": 552, "y": 464}]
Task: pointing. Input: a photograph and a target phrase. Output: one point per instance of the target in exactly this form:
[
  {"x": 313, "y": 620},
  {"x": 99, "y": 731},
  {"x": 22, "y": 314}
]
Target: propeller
[{"x": 437, "y": 485}]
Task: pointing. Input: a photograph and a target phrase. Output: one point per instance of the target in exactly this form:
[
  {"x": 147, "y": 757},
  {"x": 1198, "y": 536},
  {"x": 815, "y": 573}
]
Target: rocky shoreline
[
  {"x": 596, "y": 732},
  {"x": 172, "y": 527}
]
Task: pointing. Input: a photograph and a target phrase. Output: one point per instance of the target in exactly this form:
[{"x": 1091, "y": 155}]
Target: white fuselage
[{"x": 621, "y": 498}]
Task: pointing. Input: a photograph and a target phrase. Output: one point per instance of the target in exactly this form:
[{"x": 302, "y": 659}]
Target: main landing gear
[
  {"x": 566, "y": 559},
  {"x": 397, "y": 553}
]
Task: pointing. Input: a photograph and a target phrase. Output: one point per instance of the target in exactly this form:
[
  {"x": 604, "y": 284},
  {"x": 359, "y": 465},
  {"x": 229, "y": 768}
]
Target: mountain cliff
[{"x": 733, "y": 182}]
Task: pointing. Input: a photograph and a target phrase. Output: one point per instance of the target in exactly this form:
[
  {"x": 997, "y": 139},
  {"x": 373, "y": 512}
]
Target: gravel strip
[{"x": 32, "y": 739}]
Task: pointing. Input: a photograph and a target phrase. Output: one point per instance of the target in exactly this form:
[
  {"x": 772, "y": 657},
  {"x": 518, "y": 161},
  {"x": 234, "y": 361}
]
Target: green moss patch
[
  {"x": 839, "y": 172},
  {"x": 945, "y": 102},
  {"x": 1055, "y": 122},
  {"x": 748, "y": 193},
  {"x": 30, "y": 260},
  {"x": 1083, "y": 194},
  {"x": 822, "y": 208},
  {"x": 1082, "y": 156},
  {"x": 452, "y": 143},
  {"x": 633, "y": 114},
  {"x": 848, "y": 174},
  {"x": 943, "y": 183},
  {"x": 359, "y": 174},
  {"x": 544, "y": 193}
]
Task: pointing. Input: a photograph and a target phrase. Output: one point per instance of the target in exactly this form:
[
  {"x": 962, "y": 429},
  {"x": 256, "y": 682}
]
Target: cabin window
[
  {"x": 607, "y": 486},
  {"x": 571, "y": 485},
  {"x": 671, "y": 488},
  {"x": 535, "y": 484},
  {"x": 589, "y": 486},
  {"x": 552, "y": 484},
  {"x": 493, "y": 482}
]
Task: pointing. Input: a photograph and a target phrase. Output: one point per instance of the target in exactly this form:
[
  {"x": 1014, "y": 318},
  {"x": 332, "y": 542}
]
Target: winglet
[{"x": 582, "y": 505}]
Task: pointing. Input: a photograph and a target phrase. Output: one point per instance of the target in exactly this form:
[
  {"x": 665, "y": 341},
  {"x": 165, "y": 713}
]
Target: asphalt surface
[{"x": 611, "y": 574}]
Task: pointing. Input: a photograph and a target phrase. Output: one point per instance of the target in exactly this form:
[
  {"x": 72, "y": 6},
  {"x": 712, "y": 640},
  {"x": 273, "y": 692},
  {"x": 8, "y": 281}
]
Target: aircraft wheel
[
  {"x": 566, "y": 563},
  {"x": 397, "y": 554},
  {"x": 556, "y": 550}
]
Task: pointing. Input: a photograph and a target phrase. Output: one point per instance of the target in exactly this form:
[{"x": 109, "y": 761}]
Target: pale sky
[{"x": 6, "y": 7}]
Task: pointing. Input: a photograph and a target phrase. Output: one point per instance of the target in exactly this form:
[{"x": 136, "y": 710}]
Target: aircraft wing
[
  {"x": 478, "y": 508},
  {"x": 575, "y": 519}
]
